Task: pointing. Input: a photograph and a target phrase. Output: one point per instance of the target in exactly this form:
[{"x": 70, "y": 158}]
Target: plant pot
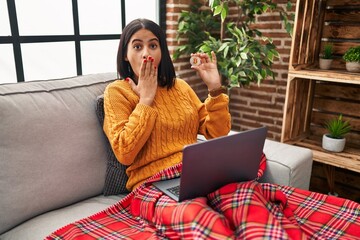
[
  {"x": 333, "y": 144},
  {"x": 353, "y": 66},
  {"x": 325, "y": 63}
]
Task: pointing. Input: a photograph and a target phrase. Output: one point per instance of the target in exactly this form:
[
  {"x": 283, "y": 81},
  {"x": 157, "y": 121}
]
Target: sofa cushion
[
  {"x": 52, "y": 149},
  {"x": 116, "y": 178}
]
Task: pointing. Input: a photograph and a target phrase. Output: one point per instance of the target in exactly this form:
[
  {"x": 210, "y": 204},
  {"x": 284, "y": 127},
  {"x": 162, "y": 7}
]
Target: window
[{"x": 41, "y": 39}]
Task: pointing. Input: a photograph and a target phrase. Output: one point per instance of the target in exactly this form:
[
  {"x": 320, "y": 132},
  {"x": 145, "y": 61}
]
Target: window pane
[
  {"x": 99, "y": 17},
  {"x": 44, "y": 17},
  {"x": 48, "y": 60},
  {"x": 4, "y": 19},
  {"x": 99, "y": 56},
  {"x": 7, "y": 64},
  {"x": 149, "y": 9}
]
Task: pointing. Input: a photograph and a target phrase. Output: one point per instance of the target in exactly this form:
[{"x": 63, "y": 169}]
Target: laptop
[{"x": 211, "y": 164}]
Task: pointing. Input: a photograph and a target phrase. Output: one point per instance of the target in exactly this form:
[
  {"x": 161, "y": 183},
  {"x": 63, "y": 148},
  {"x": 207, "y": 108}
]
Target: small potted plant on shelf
[
  {"x": 326, "y": 58},
  {"x": 334, "y": 140},
  {"x": 352, "y": 59}
]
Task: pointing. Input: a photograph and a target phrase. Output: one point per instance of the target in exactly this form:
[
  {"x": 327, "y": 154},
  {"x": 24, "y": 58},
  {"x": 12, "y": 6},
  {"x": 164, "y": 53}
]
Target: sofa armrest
[{"x": 287, "y": 165}]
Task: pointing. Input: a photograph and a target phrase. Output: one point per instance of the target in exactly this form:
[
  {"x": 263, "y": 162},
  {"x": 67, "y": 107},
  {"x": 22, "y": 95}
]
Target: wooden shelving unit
[{"x": 313, "y": 95}]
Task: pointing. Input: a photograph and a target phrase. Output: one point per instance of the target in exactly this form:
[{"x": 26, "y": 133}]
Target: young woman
[{"x": 149, "y": 113}]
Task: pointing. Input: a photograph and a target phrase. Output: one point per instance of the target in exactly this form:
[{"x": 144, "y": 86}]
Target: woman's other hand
[{"x": 208, "y": 70}]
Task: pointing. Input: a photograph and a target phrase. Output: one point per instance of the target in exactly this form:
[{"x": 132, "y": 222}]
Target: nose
[{"x": 145, "y": 53}]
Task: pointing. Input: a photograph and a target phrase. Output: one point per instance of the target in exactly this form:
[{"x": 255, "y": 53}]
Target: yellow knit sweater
[{"x": 151, "y": 138}]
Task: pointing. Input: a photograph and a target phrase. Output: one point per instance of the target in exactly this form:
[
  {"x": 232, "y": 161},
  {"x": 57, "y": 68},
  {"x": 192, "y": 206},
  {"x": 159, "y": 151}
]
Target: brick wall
[{"x": 252, "y": 106}]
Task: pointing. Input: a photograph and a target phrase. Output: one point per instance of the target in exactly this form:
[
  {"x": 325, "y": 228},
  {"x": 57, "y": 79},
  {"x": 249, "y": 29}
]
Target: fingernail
[
  {"x": 127, "y": 79},
  {"x": 145, "y": 61}
]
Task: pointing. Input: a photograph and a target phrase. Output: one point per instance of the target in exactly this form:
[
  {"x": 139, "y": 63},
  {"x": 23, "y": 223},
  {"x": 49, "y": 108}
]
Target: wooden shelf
[
  {"x": 348, "y": 159},
  {"x": 326, "y": 75}
]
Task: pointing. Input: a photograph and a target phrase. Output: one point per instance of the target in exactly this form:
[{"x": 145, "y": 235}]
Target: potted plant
[
  {"x": 326, "y": 58},
  {"x": 243, "y": 54},
  {"x": 334, "y": 140},
  {"x": 352, "y": 59}
]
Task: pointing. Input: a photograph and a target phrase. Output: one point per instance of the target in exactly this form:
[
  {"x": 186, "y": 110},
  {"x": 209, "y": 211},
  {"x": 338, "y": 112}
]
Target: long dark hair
[{"x": 166, "y": 70}]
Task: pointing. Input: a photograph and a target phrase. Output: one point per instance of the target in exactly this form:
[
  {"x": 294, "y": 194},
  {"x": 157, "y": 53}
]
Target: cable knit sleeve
[
  {"x": 214, "y": 116},
  {"x": 215, "y": 119},
  {"x": 127, "y": 124}
]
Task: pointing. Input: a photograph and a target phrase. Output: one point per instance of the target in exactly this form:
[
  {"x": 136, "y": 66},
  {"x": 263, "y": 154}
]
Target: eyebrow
[{"x": 139, "y": 40}]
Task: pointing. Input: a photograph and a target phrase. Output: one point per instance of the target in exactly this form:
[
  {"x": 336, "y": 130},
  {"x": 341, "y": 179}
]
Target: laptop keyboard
[{"x": 175, "y": 190}]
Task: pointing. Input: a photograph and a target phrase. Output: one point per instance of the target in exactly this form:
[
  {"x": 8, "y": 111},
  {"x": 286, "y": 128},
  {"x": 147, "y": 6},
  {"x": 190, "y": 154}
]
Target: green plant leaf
[
  {"x": 224, "y": 11},
  {"x": 226, "y": 50},
  {"x": 205, "y": 48},
  {"x": 243, "y": 55},
  {"x": 238, "y": 62},
  {"x": 223, "y": 46},
  {"x": 218, "y": 10},
  {"x": 288, "y": 5}
]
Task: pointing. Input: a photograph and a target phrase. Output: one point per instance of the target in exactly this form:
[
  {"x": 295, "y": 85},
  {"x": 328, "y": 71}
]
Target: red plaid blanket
[{"x": 247, "y": 210}]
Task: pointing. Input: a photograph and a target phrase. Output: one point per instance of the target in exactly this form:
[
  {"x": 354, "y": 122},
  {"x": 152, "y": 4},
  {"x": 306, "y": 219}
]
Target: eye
[
  {"x": 137, "y": 46},
  {"x": 153, "y": 45}
]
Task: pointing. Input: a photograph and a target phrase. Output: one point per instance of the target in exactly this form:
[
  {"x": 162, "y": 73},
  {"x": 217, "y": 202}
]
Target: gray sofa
[{"x": 53, "y": 156}]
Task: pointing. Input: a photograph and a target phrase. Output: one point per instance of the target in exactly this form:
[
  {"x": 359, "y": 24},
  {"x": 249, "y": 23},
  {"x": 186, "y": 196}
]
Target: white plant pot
[
  {"x": 325, "y": 63},
  {"x": 353, "y": 66},
  {"x": 333, "y": 144}
]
